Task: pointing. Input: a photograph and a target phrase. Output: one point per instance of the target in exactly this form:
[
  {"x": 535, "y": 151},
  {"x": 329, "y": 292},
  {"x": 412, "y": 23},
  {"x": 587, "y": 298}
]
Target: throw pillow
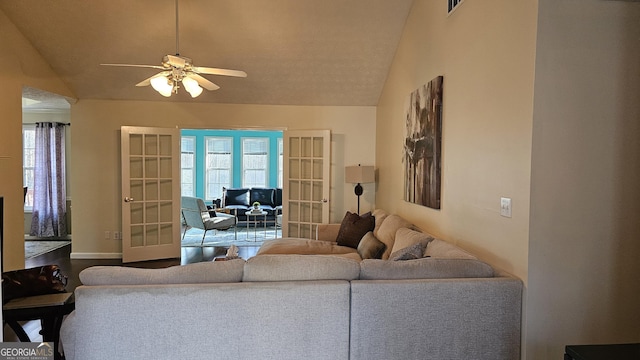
[
  {"x": 412, "y": 252},
  {"x": 387, "y": 232},
  {"x": 370, "y": 247},
  {"x": 406, "y": 237},
  {"x": 212, "y": 211},
  {"x": 353, "y": 228}
]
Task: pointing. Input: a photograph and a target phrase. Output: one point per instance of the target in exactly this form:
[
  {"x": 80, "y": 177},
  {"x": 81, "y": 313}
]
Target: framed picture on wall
[
  {"x": 452, "y": 5},
  {"x": 423, "y": 144}
]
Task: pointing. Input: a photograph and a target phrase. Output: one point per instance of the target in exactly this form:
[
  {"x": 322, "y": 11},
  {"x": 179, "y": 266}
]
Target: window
[
  {"x": 255, "y": 160},
  {"x": 218, "y": 165},
  {"x": 28, "y": 162},
  {"x": 280, "y": 161},
  {"x": 188, "y": 166}
]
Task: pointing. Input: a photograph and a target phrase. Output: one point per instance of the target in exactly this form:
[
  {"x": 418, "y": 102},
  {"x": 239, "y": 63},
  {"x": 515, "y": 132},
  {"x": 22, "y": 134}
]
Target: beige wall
[
  {"x": 584, "y": 282},
  {"x": 485, "y": 51},
  {"x": 573, "y": 238},
  {"x": 95, "y": 177},
  {"x": 20, "y": 65}
]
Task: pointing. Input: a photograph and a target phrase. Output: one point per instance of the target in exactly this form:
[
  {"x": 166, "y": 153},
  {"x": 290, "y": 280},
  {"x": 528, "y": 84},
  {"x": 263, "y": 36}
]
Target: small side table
[
  {"x": 49, "y": 309},
  {"x": 255, "y": 215},
  {"x": 602, "y": 352}
]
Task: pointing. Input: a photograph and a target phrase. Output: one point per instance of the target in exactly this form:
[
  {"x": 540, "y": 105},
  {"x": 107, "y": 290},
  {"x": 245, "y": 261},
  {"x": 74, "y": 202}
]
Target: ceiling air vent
[{"x": 452, "y": 5}]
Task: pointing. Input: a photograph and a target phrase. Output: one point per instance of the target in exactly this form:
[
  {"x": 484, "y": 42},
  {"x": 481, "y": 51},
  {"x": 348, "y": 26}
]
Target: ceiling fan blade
[
  {"x": 205, "y": 83},
  {"x": 133, "y": 65},
  {"x": 147, "y": 82},
  {"x": 216, "y": 71}
]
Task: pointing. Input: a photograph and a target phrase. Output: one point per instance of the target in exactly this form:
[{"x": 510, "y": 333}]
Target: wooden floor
[{"x": 72, "y": 269}]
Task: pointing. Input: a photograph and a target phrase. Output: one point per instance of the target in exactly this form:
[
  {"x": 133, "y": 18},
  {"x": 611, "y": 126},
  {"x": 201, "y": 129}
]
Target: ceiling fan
[{"x": 178, "y": 69}]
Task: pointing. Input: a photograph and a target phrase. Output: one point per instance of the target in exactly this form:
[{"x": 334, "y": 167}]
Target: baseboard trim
[{"x": 90, "y": 256}]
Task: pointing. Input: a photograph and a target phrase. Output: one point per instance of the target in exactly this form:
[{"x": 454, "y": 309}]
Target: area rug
[
  {"x": 37, "y": 248},
  {"x": 226, "y": 238}
]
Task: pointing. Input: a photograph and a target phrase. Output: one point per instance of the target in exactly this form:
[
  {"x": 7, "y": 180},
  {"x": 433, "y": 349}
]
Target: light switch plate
[{"x": 505, "y": 207}]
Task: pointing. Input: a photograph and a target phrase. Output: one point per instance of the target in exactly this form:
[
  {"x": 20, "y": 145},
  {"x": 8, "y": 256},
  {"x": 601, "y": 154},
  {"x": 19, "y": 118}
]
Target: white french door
[
  {"x": 150, "y": 162},
  {"x": 305, "y": 198}
]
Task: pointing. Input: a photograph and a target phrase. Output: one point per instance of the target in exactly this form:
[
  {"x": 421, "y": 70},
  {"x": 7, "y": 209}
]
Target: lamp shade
[
  {"x": 162, "y": 85},
  {"x": 359, "y": 174},
  {"x": 192, "y": 86}
]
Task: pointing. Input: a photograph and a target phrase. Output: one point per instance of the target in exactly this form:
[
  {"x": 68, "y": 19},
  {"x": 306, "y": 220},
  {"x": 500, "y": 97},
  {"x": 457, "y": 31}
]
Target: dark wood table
[
  {"x": 602, "y": 352},
  {"x": 49, "y": 309}
]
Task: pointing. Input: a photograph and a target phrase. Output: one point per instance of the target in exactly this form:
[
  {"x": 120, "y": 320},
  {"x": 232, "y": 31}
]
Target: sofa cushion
[
  {"x": 387, "y": 232},
  {"x": 327, "y": 232},
  {"x": 380, "y": 215},
  {"x": 370, "y": 247},
  {"x": 412, "y": 252},
  {"x": 406, "y": 237},
  {"x": 203, "y": 272},
  {"x": 220, "y": 222},
  {"x": 425, "y": 268},
  {"x": 300, "y": 267},
  {"x": 353, "y": 228},
  {"x": 303, "y": 247},
  {"x": 353, "y": 256},
  {"x": 440, "y": 249},
  {"x": 266, "y": 197},
  {"x": 238, "y": 197}
]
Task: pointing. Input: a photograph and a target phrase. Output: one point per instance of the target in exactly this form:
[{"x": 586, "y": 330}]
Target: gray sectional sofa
[{"x": 291, "y": 306}]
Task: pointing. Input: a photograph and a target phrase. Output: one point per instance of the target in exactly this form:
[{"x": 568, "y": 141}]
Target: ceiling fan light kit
[
  {"x": 192, "y": 87},
  {"x": 162, "y": 85},
  {"x": 179, "y": 69}
]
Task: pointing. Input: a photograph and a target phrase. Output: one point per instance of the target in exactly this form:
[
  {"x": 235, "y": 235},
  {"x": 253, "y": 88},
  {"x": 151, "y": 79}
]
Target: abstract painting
[{"x": 423, "y": 145}]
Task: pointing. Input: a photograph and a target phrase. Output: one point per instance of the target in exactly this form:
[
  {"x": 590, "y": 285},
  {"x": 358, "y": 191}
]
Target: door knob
[{"x": 128, "y": 199}]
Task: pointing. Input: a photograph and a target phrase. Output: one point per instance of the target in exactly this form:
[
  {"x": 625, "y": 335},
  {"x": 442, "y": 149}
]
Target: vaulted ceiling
[{"x": 295, "y": 52}]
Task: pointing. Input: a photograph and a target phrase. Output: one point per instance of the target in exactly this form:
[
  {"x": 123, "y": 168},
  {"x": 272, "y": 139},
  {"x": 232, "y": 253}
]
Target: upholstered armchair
[{"x": 196, "y": 215}]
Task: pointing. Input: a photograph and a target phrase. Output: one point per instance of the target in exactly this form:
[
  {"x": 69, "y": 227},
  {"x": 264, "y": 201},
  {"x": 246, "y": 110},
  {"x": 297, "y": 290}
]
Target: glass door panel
[
  {"x": 306, "y": 172},
  {"x": 151, "y": 193}
]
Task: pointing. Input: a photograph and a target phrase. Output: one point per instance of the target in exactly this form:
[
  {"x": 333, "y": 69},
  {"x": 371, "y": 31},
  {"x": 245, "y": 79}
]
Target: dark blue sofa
[{"x": 240, "y": 200}]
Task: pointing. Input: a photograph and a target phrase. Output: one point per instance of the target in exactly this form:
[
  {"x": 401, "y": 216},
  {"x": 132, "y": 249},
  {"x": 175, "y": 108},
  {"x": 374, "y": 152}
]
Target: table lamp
[{"x": 359, "y": 175}]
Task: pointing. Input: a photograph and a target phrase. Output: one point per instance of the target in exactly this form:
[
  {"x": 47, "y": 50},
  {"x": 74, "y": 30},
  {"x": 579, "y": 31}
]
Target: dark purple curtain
[{"x": 49, "y": 184}]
